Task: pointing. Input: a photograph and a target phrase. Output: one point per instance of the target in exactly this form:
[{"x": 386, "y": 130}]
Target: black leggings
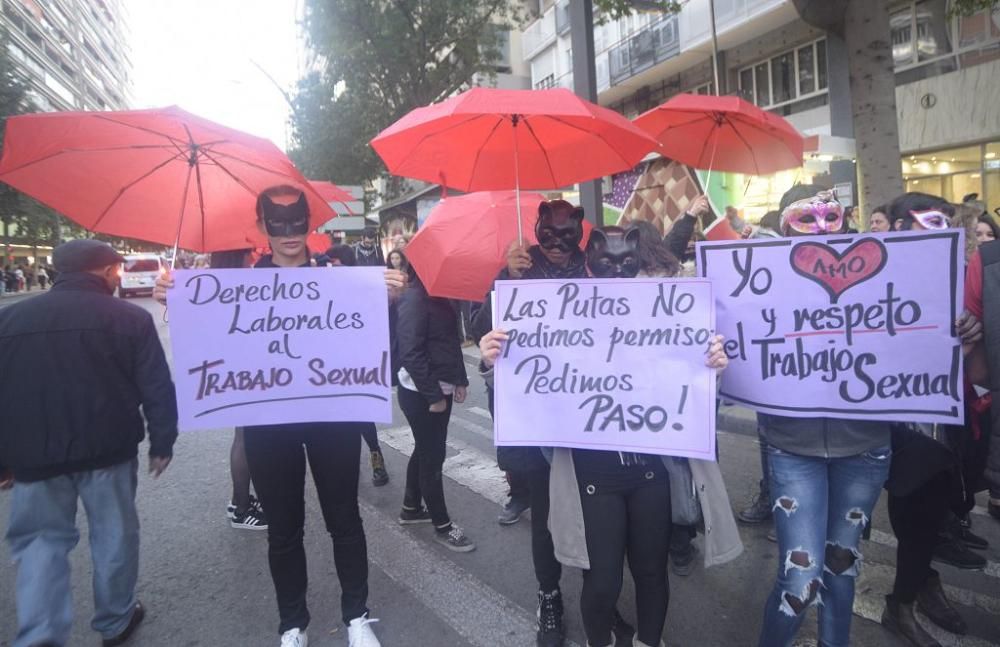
[
  {"x": 917, "y": 519},
  {"x": 423, "y": 473},
  {"x": 548, "y": 571},
  {"x": 627, "y": 516},
  {"x": 277, "y": 459},
  {"x": 370, "y": 434}
]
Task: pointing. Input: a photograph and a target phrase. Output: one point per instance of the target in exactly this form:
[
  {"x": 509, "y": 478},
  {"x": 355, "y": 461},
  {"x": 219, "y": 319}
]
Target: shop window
[{"x": 955, "y": 173}]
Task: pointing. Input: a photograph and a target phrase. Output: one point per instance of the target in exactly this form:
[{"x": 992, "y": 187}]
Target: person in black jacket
[
  {"x": 431, "y": 378},
  {"x": 77, "y": 438}
]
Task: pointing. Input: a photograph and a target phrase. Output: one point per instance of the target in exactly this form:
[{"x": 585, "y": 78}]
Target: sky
[{"x": 200, "y": 55}]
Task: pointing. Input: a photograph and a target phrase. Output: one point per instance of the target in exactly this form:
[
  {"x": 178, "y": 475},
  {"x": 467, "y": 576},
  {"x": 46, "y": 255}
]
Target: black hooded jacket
[{"x": 80, "y": 371}]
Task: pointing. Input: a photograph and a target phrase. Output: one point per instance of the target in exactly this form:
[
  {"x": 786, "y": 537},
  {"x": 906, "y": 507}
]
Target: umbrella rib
[
  {"x": 229, "y": 173},
  {"x": 701, "y": 117},
  {"x": 743, "y": 139},
  {"x": 608, "y": 143},
  {"x": 128, "y": 186},
  {"x": 479, "y": 152},
  {"x": 241, "y": 161},
  {"x": 65, "y": 151},
  {"x": 435, "y": 134},
  {"x": 545, "y": 153},
  {"x": 142, "y": 128}
]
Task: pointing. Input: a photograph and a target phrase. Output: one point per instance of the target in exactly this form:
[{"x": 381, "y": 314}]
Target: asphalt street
[{"x": 205, "y": 583}]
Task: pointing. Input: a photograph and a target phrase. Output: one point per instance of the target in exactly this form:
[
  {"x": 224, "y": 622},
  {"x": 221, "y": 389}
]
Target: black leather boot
[
  {"x": 899, "y": 619},
  {"x": 933, "y": 603}
]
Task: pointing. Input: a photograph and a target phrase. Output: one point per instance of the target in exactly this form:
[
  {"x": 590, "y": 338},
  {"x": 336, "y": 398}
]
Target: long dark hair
[
  {"x": 402, "y": 256},
  {"x": 989, "y": 222},
  {"x": 654, "y": 257}
]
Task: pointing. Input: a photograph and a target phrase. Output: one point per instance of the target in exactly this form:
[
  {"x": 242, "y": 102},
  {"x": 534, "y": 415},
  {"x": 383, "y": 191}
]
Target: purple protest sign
[
  {"x": 271, "y": 346},
  {"x": 609, "y": 364},
  {"x": 855, "y": 327}
]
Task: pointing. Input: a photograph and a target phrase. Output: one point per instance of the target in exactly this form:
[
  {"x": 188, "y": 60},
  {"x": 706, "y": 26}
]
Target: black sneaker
[
  {"x": 254, "y": 505},
  {"x": 758, "y": 511},
  {"x": 955, "y": 553},
  {"x": 379, "y": 474},
  {"x": 249, "y": 519},
  {"x": 454, "y": 539},
  {"x": 512, "y": 512},
  {"x": 967, "y": 537},
  {"x": 550, "y": 620},
  {"x": 682, "y": 561},
  {"x": 138, "y": 613},
  {"x": 410, "y": 517}
]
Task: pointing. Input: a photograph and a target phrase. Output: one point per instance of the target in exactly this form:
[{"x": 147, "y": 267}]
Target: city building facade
[
  {"x": 74, "y": 56},
  {"x": 945, "y": 92}
]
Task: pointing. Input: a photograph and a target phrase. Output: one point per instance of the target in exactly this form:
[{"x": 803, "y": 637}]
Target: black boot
[
  {"x": 932, "y": 603},
  {"x": 550, "y": 619},
  {"x": 899, "y": 619}
]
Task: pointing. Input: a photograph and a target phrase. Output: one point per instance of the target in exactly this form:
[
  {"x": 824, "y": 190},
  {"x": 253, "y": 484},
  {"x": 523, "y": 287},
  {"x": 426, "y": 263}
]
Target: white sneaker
[
  {"x": 294, "y": 638},
  {"x": 359, "y": 634}
]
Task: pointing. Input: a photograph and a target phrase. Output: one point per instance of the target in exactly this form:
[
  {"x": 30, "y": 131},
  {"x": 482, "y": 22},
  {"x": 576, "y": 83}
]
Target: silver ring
[
  {"x": 649, "y": 475},
  {"x": 591, "y": 489}
]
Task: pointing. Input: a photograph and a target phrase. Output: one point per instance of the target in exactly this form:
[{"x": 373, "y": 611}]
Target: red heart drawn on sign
[{"x": 837, "y": 271}]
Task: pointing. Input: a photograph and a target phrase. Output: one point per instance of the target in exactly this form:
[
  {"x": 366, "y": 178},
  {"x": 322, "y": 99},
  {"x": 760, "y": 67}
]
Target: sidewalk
[{"x": 13, "y": 297}]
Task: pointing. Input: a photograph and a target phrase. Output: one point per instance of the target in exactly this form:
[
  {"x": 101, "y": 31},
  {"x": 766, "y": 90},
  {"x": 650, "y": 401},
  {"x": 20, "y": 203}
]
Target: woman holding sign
[
  {"x": 621, "y": 501},
  {"x": 277, "y": 456},
  {"x": 825, "y": 475}
]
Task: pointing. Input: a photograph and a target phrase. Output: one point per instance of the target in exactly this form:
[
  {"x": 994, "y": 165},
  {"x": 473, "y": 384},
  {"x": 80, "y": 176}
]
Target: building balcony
[
  {"x": 539, "y": 35},
  {"x": 641, "y": 51}
]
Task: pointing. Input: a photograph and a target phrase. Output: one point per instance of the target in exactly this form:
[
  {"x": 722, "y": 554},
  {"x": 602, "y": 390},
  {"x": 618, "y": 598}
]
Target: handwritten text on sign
[
  {"x": 609, "y": 364},
  {"x": 269, "y": 346},
  {"x": 852, "y": 327}
]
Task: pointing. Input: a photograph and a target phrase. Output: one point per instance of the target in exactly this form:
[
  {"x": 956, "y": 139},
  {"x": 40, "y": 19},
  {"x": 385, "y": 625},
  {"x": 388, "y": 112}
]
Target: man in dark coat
[{"x": 77, "y": 438}]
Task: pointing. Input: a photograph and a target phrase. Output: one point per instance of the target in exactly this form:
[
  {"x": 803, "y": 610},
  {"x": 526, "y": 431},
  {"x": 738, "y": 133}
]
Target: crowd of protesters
[{"x": 821, "y": 477}]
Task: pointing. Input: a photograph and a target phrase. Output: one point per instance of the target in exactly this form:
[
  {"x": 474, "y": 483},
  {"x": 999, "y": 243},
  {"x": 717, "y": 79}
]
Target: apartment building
[
  {"x": 74, "y": 53},
  {"x": 945, "y": 90}
]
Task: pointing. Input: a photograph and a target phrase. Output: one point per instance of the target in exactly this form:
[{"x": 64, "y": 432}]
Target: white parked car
[{"x": 139, "y": 274}]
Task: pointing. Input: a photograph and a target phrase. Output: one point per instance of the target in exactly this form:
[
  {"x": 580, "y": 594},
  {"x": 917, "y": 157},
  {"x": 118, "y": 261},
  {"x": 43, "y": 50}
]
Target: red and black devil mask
[
  {"x": 285, "y": 219},
  {"x": 613, "y": 253},
  {"x": 559, "y": 226}
]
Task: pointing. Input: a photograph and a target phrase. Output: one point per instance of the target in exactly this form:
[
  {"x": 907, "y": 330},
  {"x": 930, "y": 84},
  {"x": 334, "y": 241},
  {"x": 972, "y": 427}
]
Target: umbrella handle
[{"x": 711, "y": 160}]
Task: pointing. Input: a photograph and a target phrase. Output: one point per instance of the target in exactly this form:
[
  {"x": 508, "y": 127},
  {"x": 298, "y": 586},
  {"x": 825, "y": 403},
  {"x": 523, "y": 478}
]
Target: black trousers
[
  {"x": 917, "y": 520},
  {"x": 277, "y": 459},
  {"x": 370, "y": 434},
  {"x": 626, "y": 517},
  {"x": 423, "y": 473}
]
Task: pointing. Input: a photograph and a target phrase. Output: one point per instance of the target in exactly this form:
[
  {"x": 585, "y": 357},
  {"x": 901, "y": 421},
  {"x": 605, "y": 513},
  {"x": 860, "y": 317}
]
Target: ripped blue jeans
[{"x": 821, "y": 506}]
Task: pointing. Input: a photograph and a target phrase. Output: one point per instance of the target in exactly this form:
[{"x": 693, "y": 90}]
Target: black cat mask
[
  {"x": 285, "y": 219},
  {"x": 559, "y": 226},
  {"x": 613, "y": 253}
]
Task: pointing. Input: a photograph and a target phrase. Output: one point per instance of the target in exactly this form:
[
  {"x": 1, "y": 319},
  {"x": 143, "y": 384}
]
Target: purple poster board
[
  {"x": 855, "y": 327},
  {"x": 609, "y": 364},
  {"x": 271, "y": 346}
]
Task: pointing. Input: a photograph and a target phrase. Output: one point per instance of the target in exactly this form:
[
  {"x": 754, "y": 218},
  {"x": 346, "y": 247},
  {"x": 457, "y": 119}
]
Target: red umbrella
[
  {"x": 723, "y": 134},
  {"x": 488, "y": 139},
  {"x": 332, "y": 193},
  {"x": 463, "y": 245},
  {"x": 161, "y": 175}
]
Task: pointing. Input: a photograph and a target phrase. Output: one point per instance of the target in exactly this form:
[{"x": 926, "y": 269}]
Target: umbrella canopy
[
  {"x": 487, "y": 139},
  {"x": 462, "y": 246},
  {"x": 332, "y": 193},
  {"x": 723, "y": 134},
  {"x": 161, "y": 175}
]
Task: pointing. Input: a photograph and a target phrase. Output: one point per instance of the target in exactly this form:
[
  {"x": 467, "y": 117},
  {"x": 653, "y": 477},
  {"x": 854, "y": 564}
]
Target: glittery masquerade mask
[
  {"x": 931, "y": 219},
  {"x": 820, "y": 214}
]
